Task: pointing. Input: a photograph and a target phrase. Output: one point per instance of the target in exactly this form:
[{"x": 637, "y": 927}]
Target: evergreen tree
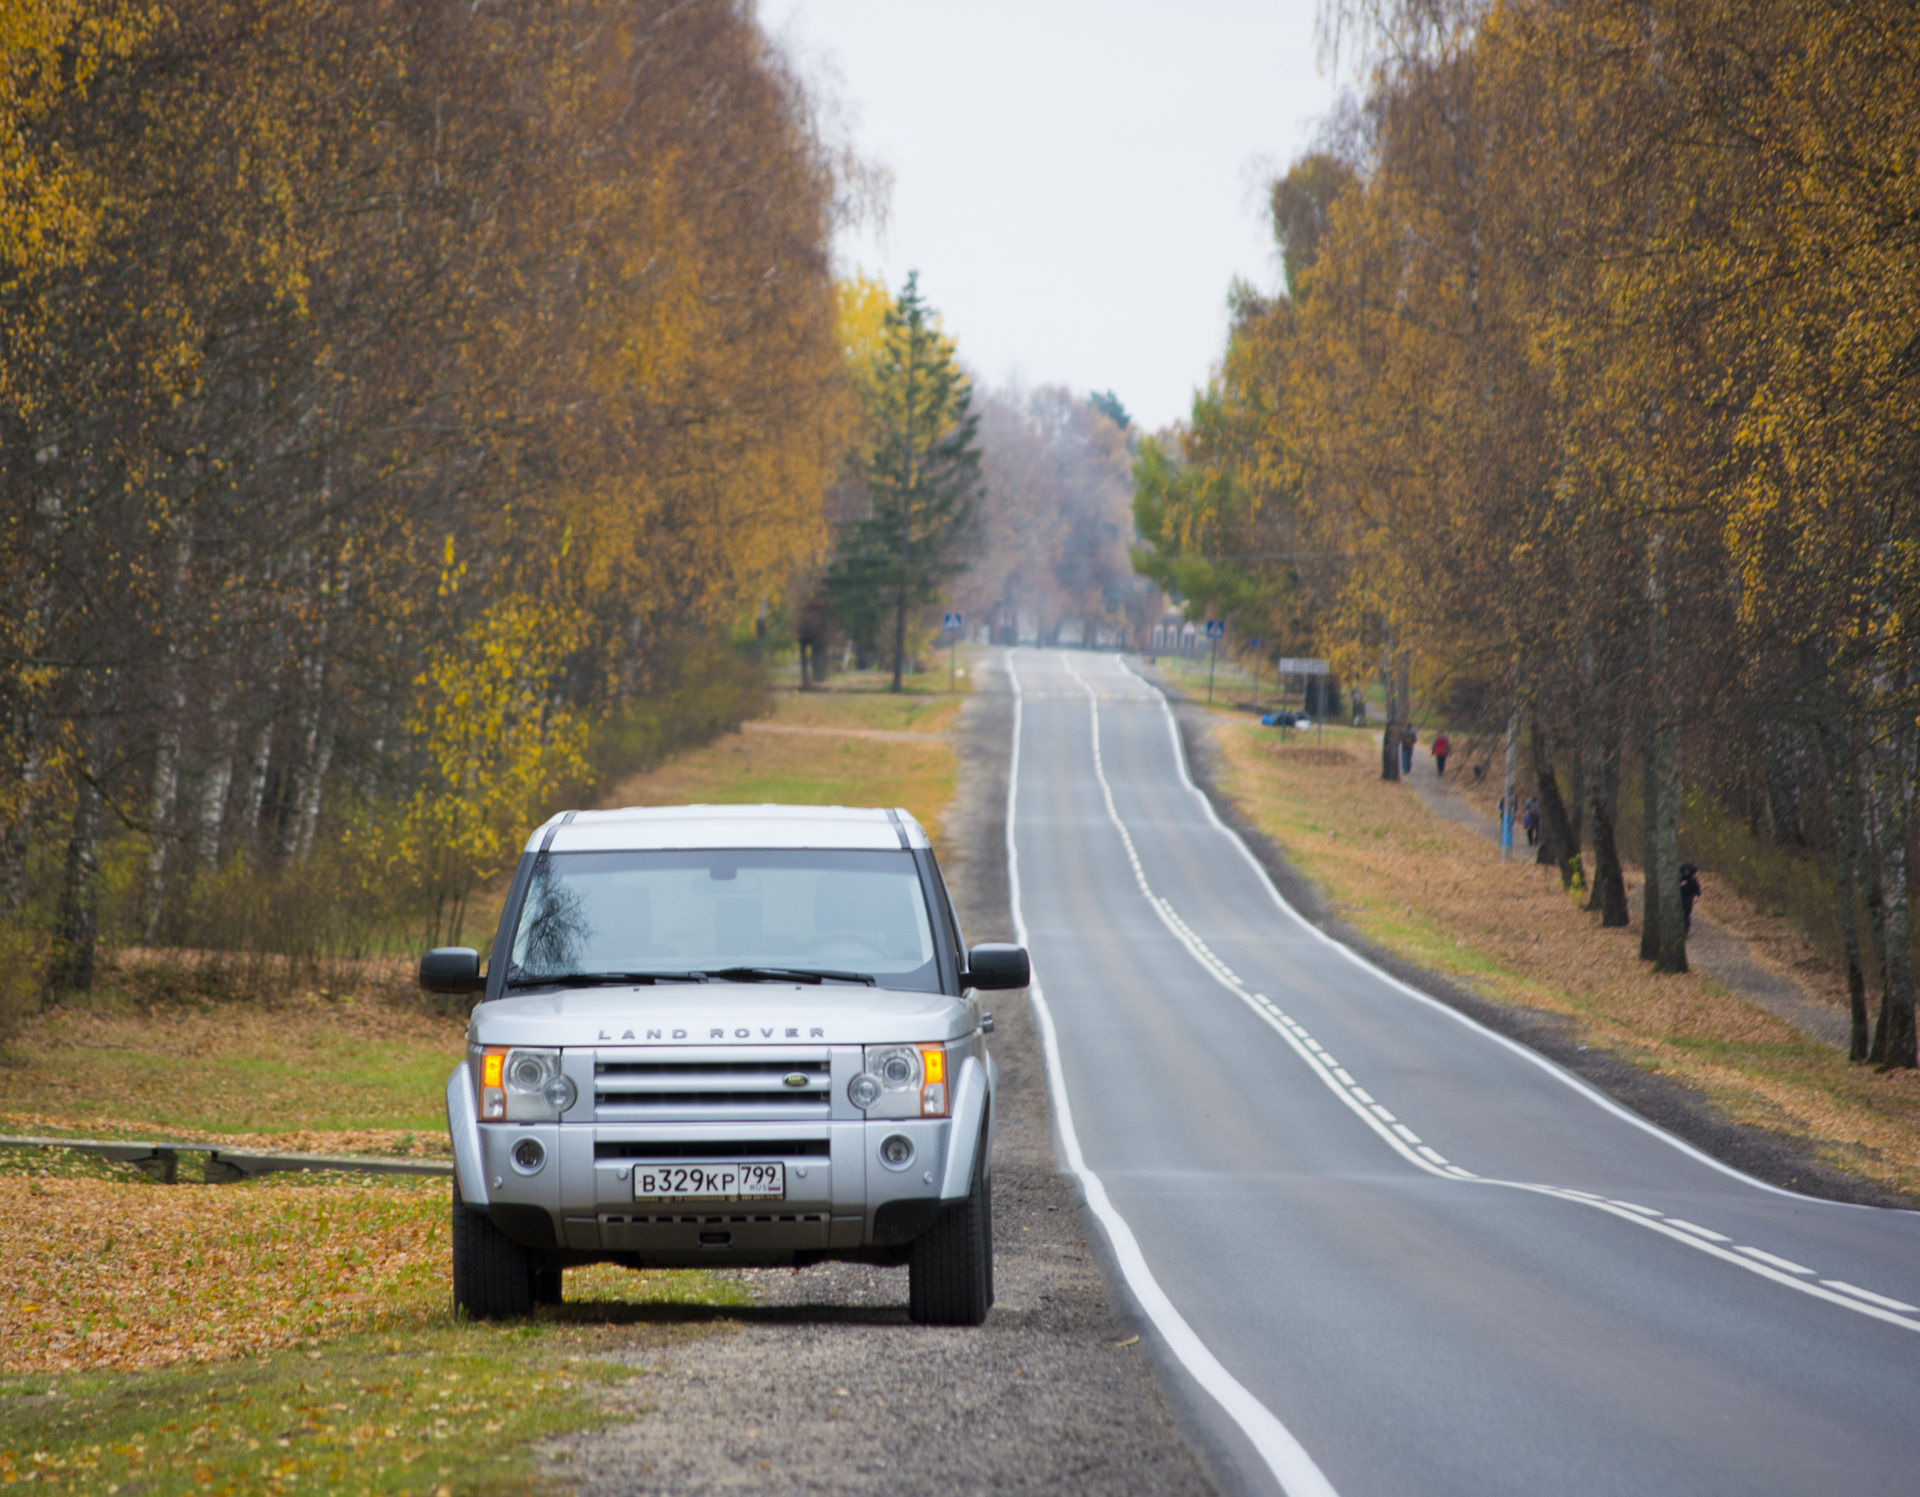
[{"x": 921, "y": 473}]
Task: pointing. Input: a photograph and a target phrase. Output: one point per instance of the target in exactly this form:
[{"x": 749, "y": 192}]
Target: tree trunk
[
  {"x": 1847, "y": 859},
  {"x": 1609, "y": 882},
  {"x": 1558, "y": 848},
  {"x": 1663, "y": 931},
  {"x": 900, "y": 633},
  {"x": 18, "y": 843},
  {"x": 1663, "y": 939},
  {"x": 1893, "y": 1041},
  {"x": 293, "y": 830},
  {"x": 1576, "y": 808},
  {"x": 77, "y": 926},
  {"x": 165, "y": 790},
  {"x": 313, "y": 783}
]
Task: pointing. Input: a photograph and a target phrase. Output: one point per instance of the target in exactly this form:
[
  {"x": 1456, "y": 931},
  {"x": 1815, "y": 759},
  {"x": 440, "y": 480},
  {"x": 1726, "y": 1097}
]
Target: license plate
[{"x": 748, "y": 1180}]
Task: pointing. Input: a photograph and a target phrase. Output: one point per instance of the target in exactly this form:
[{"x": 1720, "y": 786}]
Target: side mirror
[
  {"x": 994, "y": 964},
  {"x": 452, "y": 969}
]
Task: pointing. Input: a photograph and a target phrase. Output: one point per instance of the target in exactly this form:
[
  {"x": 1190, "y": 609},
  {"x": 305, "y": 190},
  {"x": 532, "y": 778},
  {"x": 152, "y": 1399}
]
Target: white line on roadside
[
  {"x": 1753, "y": 1260},
  {"x": 1284, "y": 1455}
]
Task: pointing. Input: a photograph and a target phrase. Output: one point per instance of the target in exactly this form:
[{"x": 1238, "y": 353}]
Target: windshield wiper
[
  {"x": 601, "y": 979},
  {"x": 787, "y": 974}
]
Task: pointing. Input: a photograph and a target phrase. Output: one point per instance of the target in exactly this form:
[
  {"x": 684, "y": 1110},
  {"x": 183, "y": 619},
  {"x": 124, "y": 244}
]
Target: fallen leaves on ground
[{"x": 99, "y": 1274}]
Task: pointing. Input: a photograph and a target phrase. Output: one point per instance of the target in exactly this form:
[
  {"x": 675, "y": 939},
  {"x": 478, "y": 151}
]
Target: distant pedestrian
[
  {"x": 1441, "y": 748},
  {"x": 1689, "y": 892},
  {"x": 1530, "y": 819},
  {"x": 1408, "y": 737}
]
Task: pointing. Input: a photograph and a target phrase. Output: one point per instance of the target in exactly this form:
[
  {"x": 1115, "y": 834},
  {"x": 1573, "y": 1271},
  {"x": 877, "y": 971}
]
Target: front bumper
[{"x": 841, "y": 1195}]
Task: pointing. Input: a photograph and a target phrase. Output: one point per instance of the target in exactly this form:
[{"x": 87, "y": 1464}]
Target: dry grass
[
  {"x": 1436, "y": 893},
  {"x": 842, "y": 767},
  {"x": 307, "y": 1073}
]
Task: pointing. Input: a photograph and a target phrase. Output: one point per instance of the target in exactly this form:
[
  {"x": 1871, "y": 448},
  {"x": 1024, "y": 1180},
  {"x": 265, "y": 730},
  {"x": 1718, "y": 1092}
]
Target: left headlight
[
  {"x": 901, "y": 1081},
  {"x": 520, "y": 1085}
]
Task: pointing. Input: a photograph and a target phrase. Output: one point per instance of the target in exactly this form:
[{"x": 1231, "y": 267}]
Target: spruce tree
[{"x": 921, "y": 475}]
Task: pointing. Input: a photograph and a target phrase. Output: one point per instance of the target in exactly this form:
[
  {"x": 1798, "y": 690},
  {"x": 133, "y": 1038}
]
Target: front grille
[
  {"x": 742, "y": 1088},
  {"x": 770, "y": 1148}
]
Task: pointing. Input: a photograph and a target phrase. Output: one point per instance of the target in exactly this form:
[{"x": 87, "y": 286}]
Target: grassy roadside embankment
[
  {"x": 1436, "y": 893},
  {"x": 293, "y": 1334}
]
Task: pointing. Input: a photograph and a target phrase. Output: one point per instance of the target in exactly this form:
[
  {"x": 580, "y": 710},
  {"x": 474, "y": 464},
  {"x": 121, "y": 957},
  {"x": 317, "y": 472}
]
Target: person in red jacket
[{"x": 1441, "y": 748}]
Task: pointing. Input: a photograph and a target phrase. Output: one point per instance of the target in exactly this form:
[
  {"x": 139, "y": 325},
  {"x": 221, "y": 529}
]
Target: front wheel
[
  {"x": 950, "y": 1267},
  {"x": 492, "y": 1274}
]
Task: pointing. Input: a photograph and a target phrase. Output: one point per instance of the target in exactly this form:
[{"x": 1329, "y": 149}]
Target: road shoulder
[{"x": 821, "y": 1384}]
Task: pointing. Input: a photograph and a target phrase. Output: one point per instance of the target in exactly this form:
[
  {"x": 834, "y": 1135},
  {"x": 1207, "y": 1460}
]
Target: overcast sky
[{"x": 1077, "y": 181}]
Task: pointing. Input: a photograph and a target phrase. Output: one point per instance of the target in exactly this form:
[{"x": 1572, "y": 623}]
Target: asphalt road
[{"x": 1379, "y": 1249}]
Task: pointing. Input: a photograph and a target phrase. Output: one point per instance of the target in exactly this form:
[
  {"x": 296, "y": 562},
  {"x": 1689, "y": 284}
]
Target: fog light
[
  {"x": 560, "y": 1093},
  {"x": 528, "y": 1155},
  {"x": 896, "y": 1151},
  {"x": 864, "y": 1090}
]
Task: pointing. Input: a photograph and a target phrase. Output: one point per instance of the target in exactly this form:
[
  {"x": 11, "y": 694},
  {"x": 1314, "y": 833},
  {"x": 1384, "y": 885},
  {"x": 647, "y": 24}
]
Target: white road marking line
[
  {"x": 1284, "y": 1455},
  {"x": 1297, "y": 1037},
  {"x": 1344, "y": 1077},
  {"x": 1785, "y": 1265},
  {"x": 1383, "y": 1114},
  {"x": 1870, "y": 1296},
  {"x": 1436, "y": 1158},
  {"x": 1363, "y": 1094},
  {"x": 1407, "y": 1133},
  {"x": 1706, "y": 1232},
  {"x": 1566, "y": 1078}
]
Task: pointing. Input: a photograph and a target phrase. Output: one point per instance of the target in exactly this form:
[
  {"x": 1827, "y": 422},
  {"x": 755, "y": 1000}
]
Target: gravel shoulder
[{"x": 821, "y": 1384}]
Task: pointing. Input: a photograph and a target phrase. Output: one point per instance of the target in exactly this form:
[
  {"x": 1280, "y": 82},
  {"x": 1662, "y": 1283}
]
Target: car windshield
[{"x": 834, "y": 911}]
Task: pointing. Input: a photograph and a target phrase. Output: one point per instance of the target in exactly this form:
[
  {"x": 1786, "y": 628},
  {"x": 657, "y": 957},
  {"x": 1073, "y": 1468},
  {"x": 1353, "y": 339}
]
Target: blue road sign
[
  {"x": 952, "y": 624},
  {"x": 1216, "y": 629}
]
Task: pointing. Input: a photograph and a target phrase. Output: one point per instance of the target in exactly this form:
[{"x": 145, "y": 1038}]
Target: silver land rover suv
[{"x": 725, "y": 1036}]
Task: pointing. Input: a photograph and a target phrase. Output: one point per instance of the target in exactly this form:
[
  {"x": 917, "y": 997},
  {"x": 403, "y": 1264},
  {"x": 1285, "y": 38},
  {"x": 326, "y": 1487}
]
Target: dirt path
[
  {"x": 822, "y": 1385},
  {"x": 1712, "y": 948}
]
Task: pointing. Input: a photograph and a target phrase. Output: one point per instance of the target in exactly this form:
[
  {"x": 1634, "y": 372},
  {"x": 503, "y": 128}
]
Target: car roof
[{"x": 635, "y": 828}]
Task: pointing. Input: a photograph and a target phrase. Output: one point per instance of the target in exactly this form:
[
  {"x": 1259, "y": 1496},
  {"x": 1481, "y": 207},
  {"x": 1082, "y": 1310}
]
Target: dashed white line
[
  {"x": 1756, "y": 1261},
  {"x": 1785, "y": 1265},
  {"x": 1694, "y": 1227},
  {"x": 1870, "y": 1297}
]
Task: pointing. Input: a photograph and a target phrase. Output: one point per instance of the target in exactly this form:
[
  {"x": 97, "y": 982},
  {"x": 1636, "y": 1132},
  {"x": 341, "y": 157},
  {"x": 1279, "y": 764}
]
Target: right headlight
[{"x": 521, "y": 1085}]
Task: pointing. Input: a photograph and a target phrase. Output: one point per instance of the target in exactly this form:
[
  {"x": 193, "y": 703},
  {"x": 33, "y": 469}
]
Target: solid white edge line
[
  {"x": 1298, "y": 1038},
  {"x": 1284, "y": 1455},
  {"x": 1564, "y": 1077}
]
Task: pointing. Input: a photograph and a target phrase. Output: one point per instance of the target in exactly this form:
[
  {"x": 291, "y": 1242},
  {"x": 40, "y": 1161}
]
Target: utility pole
[{"x": 1215, "y": 630}]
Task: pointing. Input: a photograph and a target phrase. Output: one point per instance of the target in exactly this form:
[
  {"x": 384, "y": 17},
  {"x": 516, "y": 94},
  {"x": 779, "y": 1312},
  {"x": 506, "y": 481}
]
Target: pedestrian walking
[
  {"x": 1441, "y": 748},
  {"x": 1530, "y": 819},
  {"x": 1408, "y": 737},
  {"x": 1689, "y": 892}
]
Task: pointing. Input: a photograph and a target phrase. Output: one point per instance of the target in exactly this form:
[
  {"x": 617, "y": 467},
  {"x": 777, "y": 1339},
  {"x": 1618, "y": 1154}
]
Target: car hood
[{"x": 707, "y": 1014}]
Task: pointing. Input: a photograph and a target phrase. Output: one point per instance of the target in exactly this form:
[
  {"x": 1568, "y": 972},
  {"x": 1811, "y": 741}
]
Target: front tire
[
  {"x": 950, "y": 1266},
  {"x": 493, "y": 1276}
]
